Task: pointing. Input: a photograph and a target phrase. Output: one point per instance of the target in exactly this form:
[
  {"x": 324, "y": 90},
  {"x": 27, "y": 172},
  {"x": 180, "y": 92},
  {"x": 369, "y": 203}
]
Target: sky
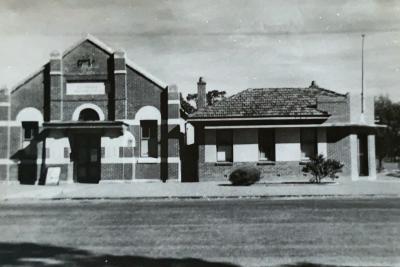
[{"x": 233, "y": 44}]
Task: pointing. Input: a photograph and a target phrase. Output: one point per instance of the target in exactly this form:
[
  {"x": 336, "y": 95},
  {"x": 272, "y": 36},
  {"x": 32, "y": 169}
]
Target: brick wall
[
  {"x": 148, "y": 171},
  {"x": 116, "y": 171},
  {"x": 280, "y": 171},
  {"x": 337, "y": 106},
  {"x": 3, "y": 142},
  {"x": 141, "y": 92},
  {"x": 339, "y": 147},
  {"x": 30, "y": 94},
  {"x": 3, "y": 171}
]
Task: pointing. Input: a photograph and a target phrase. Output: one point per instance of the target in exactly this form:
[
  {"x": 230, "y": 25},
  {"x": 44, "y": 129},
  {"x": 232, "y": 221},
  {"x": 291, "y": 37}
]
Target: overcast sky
[{"x": 234, "y": 44}]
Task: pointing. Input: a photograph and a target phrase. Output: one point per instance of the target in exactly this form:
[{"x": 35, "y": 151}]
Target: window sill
[
  {"x": 148, "y": 160},
  {"x": 223, "y": 163},
  {"x": 266, "y": 162},
  {"x": 304, "y": 161}
]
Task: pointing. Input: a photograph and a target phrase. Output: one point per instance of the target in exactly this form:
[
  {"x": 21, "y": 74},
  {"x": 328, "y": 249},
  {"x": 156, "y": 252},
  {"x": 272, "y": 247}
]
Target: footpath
[{"x": 382, "y": 187}]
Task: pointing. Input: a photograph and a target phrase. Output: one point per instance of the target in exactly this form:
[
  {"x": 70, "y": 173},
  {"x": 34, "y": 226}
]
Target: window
[
  {"x": 266, "y": 144},
  {"x": 308, "y": 143},
  {"x": 148, "y": 139},
  {"x": 30, "y": 130},
  {"x": 224, "y": 146}
]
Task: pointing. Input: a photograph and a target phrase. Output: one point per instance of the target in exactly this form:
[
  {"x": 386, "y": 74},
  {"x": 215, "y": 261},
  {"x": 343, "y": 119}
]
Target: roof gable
[{"x": 107, "y": 49}]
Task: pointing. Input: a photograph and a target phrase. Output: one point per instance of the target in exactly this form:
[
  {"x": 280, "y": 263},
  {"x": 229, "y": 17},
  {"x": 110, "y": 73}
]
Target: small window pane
[
  {"x": 30, "y": 129},
  {"x": 308, "y": 140},
  {"x": 266, "y": 144},
  {"x": 149, "y": 139},
  {"x": 225, "y": 145},
  {"x": 145, "y": 131},
  {"x": 144, "y": 148}
]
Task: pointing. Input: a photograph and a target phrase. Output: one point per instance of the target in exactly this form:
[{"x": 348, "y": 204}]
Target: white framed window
[
  {"x": 224, "y": 145},
  {"x": 308, "y": 143},
  {"x": 266, "y": 144},
  {"x": 148, "y": 139}
]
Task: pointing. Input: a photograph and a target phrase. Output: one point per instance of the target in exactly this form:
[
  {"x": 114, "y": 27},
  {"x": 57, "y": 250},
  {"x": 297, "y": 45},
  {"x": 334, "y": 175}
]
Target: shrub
[
  {"x": 320, "y": 168},
  {"x": 246, "y": 175}
]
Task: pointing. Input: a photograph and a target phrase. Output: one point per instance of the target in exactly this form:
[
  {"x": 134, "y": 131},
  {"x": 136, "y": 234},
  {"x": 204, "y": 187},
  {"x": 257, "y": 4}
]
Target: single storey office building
[{"x": 279, "y": 129}]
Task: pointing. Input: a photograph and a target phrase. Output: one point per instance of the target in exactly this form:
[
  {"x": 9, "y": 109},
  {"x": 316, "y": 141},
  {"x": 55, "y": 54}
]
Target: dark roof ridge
[{"x": 300, "y": 88}]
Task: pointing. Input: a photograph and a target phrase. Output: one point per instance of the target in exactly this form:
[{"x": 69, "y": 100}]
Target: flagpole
[{"x": 362, "y": 73}]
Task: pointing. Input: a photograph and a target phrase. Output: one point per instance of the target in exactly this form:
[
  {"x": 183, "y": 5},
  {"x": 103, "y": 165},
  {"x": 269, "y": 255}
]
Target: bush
[
  {"x": 246, "y": 175},
  {"x": 320, "y": 168}
]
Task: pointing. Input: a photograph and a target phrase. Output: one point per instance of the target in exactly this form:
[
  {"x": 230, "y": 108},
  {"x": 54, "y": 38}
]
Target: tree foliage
[
  {"x": 387, "y": 139},
  {"x": 320, "y": 168},
  {"x": 245, "y": 175},
  {"x": 212, "y": 97},
  {"x": 186, "y": 106}
]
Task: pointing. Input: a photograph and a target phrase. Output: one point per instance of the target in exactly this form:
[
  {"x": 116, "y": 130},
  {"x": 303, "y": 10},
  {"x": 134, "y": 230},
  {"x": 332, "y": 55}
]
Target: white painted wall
[
  {"x": 287, "y": 144},
  {"x": 56, "y": 149},
  {"x": 245, "y": 145},
  {"x": 112, "y": 145},
  {"x": 322, "y": 143},
  {"x": 210, "y": 148}
]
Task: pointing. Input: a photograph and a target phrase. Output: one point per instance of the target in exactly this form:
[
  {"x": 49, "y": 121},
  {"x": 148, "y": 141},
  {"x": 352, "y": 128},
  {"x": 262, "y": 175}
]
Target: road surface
[{"x": 263, "y": 232}]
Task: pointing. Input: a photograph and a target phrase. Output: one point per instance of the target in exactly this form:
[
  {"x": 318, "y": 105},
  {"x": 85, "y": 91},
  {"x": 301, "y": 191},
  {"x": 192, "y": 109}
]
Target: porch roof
[
  {"x": 323, "y": 125},
  {"x": 82, "y": 125}
]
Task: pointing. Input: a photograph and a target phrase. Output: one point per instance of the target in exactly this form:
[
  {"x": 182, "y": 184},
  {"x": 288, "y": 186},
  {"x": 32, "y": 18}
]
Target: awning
[
  {"x": 323, "y": 125},
  {"x": 84, "y": 125}
]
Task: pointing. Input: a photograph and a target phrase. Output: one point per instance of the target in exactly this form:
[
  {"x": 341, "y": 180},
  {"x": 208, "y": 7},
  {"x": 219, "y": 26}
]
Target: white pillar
[
  {"x": 371, "y": 157},
  {"x": 354, "y": 157}
]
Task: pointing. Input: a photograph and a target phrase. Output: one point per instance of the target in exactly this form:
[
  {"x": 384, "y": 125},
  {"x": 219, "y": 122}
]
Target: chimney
[
  {"x": 201, "y": 94},
  {"x": 313, "y": 84}
]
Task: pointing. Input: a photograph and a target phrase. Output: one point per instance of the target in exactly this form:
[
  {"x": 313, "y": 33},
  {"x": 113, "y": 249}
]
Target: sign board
[
  {"x": 86, "y": 88},
  {"x": 53, "y": 175}
]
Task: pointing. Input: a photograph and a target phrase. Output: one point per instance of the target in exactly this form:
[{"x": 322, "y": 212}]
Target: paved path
[
  {"x": 263, "y": 232},
  {"x": 386, "y": 188}
]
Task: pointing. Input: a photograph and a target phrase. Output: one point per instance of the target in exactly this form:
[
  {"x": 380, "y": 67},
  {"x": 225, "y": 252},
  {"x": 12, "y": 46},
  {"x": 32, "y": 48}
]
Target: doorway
[
  {"x": 87, "y": 156},
  {"x": 363, "y": 168}
]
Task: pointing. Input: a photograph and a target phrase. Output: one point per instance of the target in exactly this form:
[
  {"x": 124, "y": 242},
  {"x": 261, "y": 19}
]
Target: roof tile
[{"x": 268, "y": 102}]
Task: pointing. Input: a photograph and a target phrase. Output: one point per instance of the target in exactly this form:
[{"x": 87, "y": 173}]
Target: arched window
[{"x": 88, "y": 114}]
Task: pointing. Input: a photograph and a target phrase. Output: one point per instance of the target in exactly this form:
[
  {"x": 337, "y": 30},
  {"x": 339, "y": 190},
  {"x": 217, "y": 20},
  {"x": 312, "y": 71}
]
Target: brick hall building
[{"x": 90, "y": 115}]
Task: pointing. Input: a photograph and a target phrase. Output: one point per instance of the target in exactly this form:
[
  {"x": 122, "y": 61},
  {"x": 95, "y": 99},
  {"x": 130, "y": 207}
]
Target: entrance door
[
  {"x": 363, "y": 155},
  {"x": 87, "y": 158}
]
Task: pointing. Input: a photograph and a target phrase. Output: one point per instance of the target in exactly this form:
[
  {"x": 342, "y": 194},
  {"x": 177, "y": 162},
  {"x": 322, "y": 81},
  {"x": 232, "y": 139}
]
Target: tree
[
  {"x": 186, "y": 106},
  {"x": 320, "y": 168},
  {"x": 212, "y": 97},
  {"x": 387, "y": 139}
]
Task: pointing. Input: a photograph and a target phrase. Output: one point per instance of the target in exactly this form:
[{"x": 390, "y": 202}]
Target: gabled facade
[
  {"x": 95, "y": 116},
  {"x": 280, "y": 129}
]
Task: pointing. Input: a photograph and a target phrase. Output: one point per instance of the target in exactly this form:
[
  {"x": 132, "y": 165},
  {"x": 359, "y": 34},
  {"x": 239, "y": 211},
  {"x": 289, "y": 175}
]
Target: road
[{"x": 223, "y": 233}]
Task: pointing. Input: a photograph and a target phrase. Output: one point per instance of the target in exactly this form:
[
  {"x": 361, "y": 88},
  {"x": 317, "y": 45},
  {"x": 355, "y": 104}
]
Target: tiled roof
[{"x": 268, "y": 102}]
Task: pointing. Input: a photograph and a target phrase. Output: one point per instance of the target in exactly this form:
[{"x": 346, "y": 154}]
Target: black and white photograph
[{"x": 200, "y": 133}]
